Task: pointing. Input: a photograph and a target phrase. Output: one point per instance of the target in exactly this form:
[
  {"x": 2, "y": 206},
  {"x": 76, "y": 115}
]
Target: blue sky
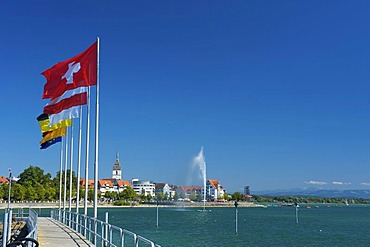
[{"x": 277, "y": 92}]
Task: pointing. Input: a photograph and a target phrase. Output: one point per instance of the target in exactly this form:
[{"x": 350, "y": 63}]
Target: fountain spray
[{"x": 200, "y": 162}]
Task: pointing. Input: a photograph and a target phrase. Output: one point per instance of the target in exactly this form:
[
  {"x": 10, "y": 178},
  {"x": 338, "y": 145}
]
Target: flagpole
[
  {"x": 96, "y": 165},
  {"x": 70, "y": 173},
  {"x": 65, "y": 176},
  {"x": 87, "y": 151},
  {"x": 60, "y": 178},
  {"x": 79, "y": 165}
]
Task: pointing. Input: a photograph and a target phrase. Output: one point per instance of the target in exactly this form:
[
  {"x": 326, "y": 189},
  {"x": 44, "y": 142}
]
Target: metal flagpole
[
  {"x": 87, "y": 152},
  {"x": 65, "y": 176},
  {"x": 70, "y": 174},
  {"x": 78, "y": 166},
  {"x": 9, "y": 188},
  {"x": 60, "y": 179},
  {"x": 96, "y": 165}
]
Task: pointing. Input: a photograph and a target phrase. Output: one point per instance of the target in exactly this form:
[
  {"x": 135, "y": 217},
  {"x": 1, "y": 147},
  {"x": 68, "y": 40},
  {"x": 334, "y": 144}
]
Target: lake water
[
  {"x": 272, "y": 226},
  {"x": 336, "y": 225}
]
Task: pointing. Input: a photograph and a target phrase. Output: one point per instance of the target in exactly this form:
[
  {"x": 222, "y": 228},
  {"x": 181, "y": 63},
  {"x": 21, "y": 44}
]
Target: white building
[
  {"x": 214, "y": 190},
  {"x": 165, "y": 189},
  {"x": 143, "y": 187}
]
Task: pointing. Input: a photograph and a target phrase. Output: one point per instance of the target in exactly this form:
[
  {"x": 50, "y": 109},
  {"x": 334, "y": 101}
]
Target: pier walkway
[{"x": 53, "y": 234}]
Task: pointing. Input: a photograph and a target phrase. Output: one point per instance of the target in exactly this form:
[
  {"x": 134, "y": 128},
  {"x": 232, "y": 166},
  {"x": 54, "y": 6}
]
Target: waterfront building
[
  {"x": 4, "y": 180},
  {"x": 186, "y": 191},
  {"x": 143, "y": 187},
  {"x": 165, "y": 189},
  {"x": 112, "y": 185},
  {"x": 105, "y": 185},
  {"x": 214, "y": 190},
  {"x": 123, "y": 184},
  {"x": 90, "y": 184}
]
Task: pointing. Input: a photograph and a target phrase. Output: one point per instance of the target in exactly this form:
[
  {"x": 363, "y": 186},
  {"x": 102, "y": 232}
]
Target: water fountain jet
[{"x": 200, "y": 163}]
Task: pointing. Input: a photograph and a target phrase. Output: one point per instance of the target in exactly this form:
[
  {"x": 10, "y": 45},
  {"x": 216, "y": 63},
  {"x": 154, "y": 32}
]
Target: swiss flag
[{"x": 73, "y": 73}]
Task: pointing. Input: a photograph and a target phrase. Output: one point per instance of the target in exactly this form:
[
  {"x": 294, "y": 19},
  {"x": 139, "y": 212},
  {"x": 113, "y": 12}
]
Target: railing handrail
[
  {"x": 88, "y": 227},
  {"x": 32, "y": 224}
]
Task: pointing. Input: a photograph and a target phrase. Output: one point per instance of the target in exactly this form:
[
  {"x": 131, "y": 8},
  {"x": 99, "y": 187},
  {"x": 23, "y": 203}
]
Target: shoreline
[
  {"x": 110, "y": 205},
  {"x": 164, "y": 205}
]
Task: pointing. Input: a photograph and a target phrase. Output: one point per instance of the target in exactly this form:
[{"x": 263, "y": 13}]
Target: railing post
[
  {"x": 95, "y": 230},
  {"x": 85, "y": 226},
  {"x": 5, "y": 229},
  {"x": 110, "y": 235},
  {"x": 136, "y": 241},
  {"x": 10, "y": 217},
  {"x": 106, "y": 226},
  {"x": 90, "y": 229},
  {"x": 122, "y": 235},
  {"x": 77, "y": 220}
]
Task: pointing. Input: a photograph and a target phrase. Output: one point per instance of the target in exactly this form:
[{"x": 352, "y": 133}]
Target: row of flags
[{"x": 67, "y": 86}]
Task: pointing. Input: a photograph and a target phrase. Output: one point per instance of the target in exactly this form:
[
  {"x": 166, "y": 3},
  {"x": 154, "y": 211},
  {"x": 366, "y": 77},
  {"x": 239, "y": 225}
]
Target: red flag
[
  {"x": 73, "y": 73},
  {"x": 68, "y": 99}
]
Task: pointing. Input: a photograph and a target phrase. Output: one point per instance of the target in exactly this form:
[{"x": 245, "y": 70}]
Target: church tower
[{"x": 117, "y": 170}]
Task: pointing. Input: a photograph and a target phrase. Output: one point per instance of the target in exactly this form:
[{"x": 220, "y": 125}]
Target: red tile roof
[
  {"x": 214, "y": 183},
  {"x": 123, "y": 183},
  {"x": 4, "y": 180},
  {"x": 190, "y": 188},
  {"x": 90, "y": 184},
  {"x": 105, "y": 183}
]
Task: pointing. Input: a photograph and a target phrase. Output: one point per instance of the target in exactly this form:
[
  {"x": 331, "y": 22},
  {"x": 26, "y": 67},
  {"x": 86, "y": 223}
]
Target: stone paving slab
[{"x": 52, "y": 233}]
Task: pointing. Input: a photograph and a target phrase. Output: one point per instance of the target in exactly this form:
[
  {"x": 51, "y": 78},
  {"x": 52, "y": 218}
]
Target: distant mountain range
[{"x": 365, "y": 194}]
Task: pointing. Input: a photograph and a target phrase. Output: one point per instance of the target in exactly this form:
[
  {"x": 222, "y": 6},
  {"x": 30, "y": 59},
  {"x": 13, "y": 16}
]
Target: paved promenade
[{"x": 53, "y": 234}]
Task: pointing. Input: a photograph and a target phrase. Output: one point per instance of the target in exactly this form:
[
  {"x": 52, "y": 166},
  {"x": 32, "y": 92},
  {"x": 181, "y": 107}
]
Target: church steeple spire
[
  {"x": 117, "y": 170},
  {"x": 117, "y": 156}
]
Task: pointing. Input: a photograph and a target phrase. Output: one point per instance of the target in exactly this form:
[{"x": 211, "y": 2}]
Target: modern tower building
[{"x": 247, "y": 190}]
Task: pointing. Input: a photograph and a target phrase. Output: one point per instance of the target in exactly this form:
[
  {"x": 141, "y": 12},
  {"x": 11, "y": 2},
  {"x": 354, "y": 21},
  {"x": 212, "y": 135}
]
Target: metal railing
[
  {"x": 30, "y": 240},
  {"x": 98, "y": 232},
  {"x": 32, "y": 221}
]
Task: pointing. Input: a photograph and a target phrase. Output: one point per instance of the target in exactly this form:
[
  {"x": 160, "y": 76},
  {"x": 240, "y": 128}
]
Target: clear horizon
[{"x": 277, "y": 92}]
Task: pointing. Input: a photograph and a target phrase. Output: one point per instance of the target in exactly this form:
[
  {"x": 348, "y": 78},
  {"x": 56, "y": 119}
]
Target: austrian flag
[{"x": 79, "y": 71}]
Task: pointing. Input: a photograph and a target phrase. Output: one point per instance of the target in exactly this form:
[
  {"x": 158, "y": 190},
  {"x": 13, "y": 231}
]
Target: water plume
[{"x": 199, "y": 163}]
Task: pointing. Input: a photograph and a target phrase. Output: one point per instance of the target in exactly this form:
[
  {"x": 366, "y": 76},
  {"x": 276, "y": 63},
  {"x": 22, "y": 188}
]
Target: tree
[
  {"x": 192, "y": 196},
  {"x": 4, "y": 191},
  {"x": 199, "y": 197},
  {"x": 51, "y": 194},
  {"x": 111, "y": 195},
  {"x": 56, "y": 181},
  {"x": 18, "y": 192},
  {"x": 30, "y": 193},
  {"x": 1, "y": 191},
  {"x": 90, "y": 195},
  {"x": 226, "y": 196},
  {"x": 237, "y": 196},
  {"x": 181, "y": 194},
  {"x": 160, "y": 196},
  {"x": 34, "y": 175},
  {"x": 175, "y": 197},
  {"x": 128, "y": 194}
]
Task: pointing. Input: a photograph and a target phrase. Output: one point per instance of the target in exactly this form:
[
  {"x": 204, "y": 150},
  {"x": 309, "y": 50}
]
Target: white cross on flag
[{"x": 75, "y": 72}]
